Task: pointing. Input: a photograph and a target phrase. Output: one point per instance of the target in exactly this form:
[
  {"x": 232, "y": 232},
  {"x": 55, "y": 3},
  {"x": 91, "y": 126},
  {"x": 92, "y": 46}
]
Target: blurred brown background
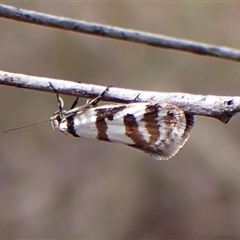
[{"x": 54, "y": 186}]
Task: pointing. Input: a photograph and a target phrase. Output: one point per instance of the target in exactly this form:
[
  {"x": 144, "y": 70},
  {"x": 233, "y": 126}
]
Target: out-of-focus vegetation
[{"x": 54, "y": 186}]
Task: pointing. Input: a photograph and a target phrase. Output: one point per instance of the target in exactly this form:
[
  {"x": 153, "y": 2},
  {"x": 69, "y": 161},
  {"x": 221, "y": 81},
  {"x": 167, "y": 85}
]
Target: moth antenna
[{"x": 25, "y": 126}]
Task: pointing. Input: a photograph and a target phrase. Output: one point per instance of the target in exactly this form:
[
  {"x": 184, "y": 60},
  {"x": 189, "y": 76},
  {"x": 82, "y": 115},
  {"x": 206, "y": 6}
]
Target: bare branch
[
  {"x": 119, "y": 33},
  {"x": 219, "y": 107}
]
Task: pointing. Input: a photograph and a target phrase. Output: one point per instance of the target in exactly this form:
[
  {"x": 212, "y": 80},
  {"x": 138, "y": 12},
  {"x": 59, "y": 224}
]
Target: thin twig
[
  {"x": 219, "y": 107},
  {"x": 154, "y": 40}
]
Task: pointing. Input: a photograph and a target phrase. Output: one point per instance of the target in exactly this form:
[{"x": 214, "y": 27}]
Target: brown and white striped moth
[{"x": 159, "y": 129}]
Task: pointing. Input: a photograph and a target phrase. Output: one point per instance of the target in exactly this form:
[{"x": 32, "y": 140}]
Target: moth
[{"x": 159, "y": 129}]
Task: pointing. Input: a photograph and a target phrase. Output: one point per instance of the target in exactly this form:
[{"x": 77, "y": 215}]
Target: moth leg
[
  {"x": 59, "y": 99},
  {"x": 96, "y": 100},
  {"x": 76, "y": 100},
  {"x": 92, "y": 103},
  {"x": 135, "y": 99},
  {"x": 75, "y": 103}
]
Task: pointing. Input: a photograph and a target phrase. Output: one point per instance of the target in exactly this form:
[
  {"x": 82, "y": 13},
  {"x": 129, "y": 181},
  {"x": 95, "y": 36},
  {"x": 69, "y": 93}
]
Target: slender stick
[
  {"x": 219, "y": 107},
  {"x": 153, "y": 40}
]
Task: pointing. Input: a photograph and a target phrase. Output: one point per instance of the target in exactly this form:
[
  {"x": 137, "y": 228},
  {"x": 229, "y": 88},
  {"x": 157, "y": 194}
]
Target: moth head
[
  {"x": 55, "y": 120},
  {"x": 58, "y": 119}
]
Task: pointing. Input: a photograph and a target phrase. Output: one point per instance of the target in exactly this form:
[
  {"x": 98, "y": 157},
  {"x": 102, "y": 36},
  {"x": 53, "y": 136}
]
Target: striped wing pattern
[{"x": 159, "y": 129}]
